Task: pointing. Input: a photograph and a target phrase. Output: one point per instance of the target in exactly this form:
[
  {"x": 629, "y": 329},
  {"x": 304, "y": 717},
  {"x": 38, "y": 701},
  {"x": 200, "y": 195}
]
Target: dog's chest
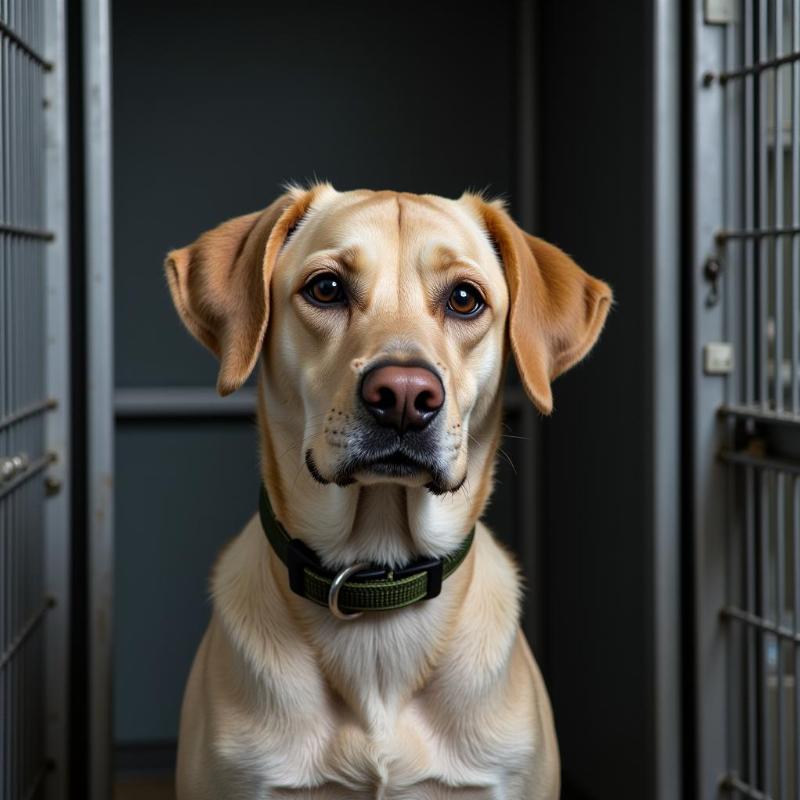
[
  {"x": 366, "y": 739},
  {"x": 402, "y": 758},
  {"x": 391, "y": 749},
  {"x": 398, "y": 706}
]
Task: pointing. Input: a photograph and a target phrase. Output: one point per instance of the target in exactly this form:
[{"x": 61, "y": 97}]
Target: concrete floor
[{"x": 149, "y": 787}]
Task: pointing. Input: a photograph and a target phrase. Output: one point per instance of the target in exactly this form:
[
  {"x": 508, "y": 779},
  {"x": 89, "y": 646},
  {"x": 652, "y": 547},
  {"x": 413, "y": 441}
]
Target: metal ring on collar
[{"x": 336, "y": 587}]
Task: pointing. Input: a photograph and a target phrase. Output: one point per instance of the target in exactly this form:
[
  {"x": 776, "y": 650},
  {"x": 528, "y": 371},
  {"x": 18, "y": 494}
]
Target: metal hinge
[{"x": 712, "y": 272}]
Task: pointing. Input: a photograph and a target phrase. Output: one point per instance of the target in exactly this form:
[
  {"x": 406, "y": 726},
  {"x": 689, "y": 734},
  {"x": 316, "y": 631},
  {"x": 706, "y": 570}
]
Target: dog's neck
[
  {"x": 382, "y": 524},
  {"x": 388, "y": 523}
]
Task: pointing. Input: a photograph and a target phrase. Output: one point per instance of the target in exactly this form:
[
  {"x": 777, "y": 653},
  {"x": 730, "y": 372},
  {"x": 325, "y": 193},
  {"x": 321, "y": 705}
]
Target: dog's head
[{"x": 384, "y": 319}]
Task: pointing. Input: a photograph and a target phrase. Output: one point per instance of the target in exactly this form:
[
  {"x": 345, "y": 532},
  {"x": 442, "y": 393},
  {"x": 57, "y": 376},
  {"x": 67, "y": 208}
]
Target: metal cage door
[
  {"x": 746, "y": 396},
  {"x": 33, "y": 401}
]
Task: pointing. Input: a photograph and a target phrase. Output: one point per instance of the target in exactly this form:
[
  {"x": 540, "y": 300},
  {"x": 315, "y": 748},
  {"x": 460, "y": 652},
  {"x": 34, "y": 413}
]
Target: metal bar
[
  {"x": 664, "y": 382},
  {"x": 733, "y": 216},
  {"x": 777, "y": 160},
  {"x": 33, "y": 469},
  {"x": 765, "y": 743},
  {"x": 760, "y": 462},
  {"x": 27, "y": 629},
  {"x": 5, "y": 511},
  {"x": 749, "y": 634},
  {"x": 26, "y": 233},
  {"x": 796, "y": 625},
  {"x": 21, "y": 353},
  {"x": 723, "y": 236},
  {"x": 749, "y": 207},
  {"x": 17, "y": 617},
  {"x": 100, "y": 380},
  {"x": 762, "y": 209},
  {"x": 778, "y": 517},
  {"x": 794, "y": 328},
  {"x": 736, "y": 730},
  {"x": 733, "y": 783},
  {"x": 710, "y": 751},
  {"x": 29, "y": 411},
  {"x": 56, "y": 344},
  {"x": 759, "y": 415},
  {"x": 752, "y": 69},
  {"x": 179, "y": 402},
  {"x": 27, "y": 570},
  {"x": 760, "y": 623},
  {"x": 6, "y": 31}
]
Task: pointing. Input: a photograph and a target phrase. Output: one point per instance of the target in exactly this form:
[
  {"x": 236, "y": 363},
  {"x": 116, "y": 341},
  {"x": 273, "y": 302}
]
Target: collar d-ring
[{"x": 336, "y": 586}]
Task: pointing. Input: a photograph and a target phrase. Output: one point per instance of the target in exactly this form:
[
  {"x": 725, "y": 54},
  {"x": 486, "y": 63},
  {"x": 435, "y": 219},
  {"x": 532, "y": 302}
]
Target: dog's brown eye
[
  {"x": 465, "y": 300},
  {"x": 325, "y": 289}
]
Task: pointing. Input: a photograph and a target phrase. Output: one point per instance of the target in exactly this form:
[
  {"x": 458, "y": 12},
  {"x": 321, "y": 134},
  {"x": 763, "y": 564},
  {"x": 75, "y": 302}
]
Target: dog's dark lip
[
  {"x": 314, "y": 470},
  {"x": 396, "y": 464},
  {"x": 311, "y": 465},
  {"x": 437, "y": 487}
]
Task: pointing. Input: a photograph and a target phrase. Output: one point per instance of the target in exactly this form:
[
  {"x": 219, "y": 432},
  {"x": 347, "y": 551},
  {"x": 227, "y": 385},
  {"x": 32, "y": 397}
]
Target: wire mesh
[
  {"x": 759, "y": 247},
  {"x": 760, "y": 241},
  {"x": 23, "y": 239}
]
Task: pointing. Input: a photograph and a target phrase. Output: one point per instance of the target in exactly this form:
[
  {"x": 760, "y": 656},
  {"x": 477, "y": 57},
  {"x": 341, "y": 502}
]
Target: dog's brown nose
[{"x": 401, "y": 397}]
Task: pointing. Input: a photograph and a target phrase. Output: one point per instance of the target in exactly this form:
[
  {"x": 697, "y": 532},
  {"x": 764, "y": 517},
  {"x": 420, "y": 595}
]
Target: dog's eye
[
  {"x": 325, "y": 289},
  {"x": 465, "y": 300}
]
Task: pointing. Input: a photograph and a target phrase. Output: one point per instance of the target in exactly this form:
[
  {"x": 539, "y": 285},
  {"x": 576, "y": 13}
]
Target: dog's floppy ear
[
  {"x": 557, "y": 310},
  {"x": 220, "y": 284}
]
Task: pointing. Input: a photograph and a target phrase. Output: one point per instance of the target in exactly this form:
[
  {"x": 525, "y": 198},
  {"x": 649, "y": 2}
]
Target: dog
[{"x": 365, "y": 640}]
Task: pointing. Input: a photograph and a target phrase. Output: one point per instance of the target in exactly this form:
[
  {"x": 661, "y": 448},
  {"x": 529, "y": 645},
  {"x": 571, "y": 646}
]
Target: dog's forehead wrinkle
[
  {"x": 380, "y": 205},
  {"x": 342, "y": 211},
  {"x": 400, "y": 235}
]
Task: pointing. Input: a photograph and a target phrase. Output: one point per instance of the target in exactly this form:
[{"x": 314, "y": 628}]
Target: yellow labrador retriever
[{"x": 364, "y": 641}]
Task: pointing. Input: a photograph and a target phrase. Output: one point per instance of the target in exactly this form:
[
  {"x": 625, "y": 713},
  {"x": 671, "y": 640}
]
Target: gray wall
[
  {"x": 214, "y": 107},
  {"x": 596, "y": 201}
]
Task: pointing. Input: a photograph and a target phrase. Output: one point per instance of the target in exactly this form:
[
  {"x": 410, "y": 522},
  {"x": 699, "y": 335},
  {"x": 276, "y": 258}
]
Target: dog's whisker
[
  {"x": 301, "y": 443},
  {"x": 295, "y": 446},
  {"x": 297, "y": 474},
  {"x": 467, "y": 490},
  {"x": 477, "y": 442},
  {"x": 499, "y": 450},
  {"x": 507, "y": 458}
]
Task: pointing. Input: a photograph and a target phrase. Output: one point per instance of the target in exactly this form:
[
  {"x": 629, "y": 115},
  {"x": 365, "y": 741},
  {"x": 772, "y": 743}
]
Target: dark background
[{"x": 214, "y": 107}]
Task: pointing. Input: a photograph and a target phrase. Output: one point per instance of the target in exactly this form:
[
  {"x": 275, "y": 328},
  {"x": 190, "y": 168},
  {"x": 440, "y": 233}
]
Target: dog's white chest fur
[{"x": 411, "y": 706}]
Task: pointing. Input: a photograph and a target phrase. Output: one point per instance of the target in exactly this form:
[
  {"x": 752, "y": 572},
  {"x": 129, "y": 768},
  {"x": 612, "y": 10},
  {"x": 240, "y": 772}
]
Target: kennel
[
  {"x": 737, "y": 623},
  {"x": 34, "y": 401},
  {"x": 746, "y": 396}
]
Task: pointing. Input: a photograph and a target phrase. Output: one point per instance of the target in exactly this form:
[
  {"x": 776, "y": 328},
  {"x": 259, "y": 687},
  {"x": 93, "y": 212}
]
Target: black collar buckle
[
  {"x": 435, "y": 569},
  {"x": 299, "y": 556}
]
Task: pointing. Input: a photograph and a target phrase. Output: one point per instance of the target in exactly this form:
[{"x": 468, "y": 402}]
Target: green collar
[{"x": 372, "y": 588}]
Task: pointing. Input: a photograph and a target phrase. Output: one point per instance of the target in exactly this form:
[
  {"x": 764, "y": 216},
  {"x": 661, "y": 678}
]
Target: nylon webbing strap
[{"x": 378, "y": 589}]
